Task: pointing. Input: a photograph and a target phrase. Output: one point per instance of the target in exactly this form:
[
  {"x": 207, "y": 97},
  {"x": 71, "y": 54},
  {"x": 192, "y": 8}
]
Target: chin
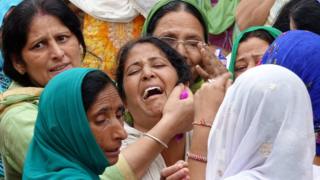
[{"x": 112, "y": 160}]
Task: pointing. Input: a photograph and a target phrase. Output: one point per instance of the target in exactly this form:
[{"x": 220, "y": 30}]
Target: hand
[
  {"x": 178, "y": 113},
  {"x": 178, "y": 171},
  {"x": 209, "y": 97},
  {"x": 210, "y": 67}
]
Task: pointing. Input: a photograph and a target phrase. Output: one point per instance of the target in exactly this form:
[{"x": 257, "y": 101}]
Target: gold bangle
[{"x": 156, "y": 139}]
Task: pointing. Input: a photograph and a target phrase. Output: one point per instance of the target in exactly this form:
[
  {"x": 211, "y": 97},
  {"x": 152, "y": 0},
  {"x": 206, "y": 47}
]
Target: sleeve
[
  {"x": 121, "y": 171},
  {"x": 16, "y": 129}
]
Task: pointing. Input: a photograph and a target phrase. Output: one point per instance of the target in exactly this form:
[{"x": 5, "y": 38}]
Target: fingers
[
  {"x": 176, "y": 171},
  {"x": 174, "y": 168},
  {"x": 202, "y": 73},
  {"x": 181, "y": 174},
  {"x": 211, "y": 66},
  {"x": 222, "y": 81},
  {"x": 177, "y": 90}
]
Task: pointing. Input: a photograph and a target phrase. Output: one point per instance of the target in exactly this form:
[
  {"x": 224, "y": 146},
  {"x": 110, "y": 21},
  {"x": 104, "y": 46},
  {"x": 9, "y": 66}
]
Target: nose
[
  {"x": 147, "y": 73},
  {"x": 252, "y": 63},
  {"x": 57, "y": 52},
  {"x": 119, "y": 132},
  {"x": 180, "y": 48}
]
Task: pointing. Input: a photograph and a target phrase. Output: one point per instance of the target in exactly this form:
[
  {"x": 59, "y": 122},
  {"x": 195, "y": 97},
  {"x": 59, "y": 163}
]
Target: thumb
[{"x": 176, "y": 92}]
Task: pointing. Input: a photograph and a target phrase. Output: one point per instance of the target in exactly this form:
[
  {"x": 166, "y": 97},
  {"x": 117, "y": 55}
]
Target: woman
[
  {"x": 249, "y": 48},
  {"x": 269, "y": 136},
  {"x": 299, "y": 51},
  {"x": 184, "y": 27},
  {"x": 81, "y": 111},
  {"x": 304, "y": 15},
  {"x": 41, "y": 38},
  {"x": 150, "y": 76}
]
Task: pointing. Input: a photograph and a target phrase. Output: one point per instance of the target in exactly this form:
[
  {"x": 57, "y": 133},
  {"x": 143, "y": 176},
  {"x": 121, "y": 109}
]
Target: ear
[{"x": 20, "y": 66}]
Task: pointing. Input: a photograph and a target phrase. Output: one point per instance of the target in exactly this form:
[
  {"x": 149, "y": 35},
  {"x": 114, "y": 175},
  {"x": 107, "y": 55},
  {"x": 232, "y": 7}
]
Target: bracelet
[
  {"x": 202, "y": 123},
  {"x": 197, "y": 157},
  {"x": 156, "y": 139}
]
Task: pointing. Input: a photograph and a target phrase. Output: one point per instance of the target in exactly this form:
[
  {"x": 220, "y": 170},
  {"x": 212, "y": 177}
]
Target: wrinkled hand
[
  {"x": 210, "y": 67},
  {"x": 178, "y": 171},
  {"x": 178, "y": 113},
  {"x": 209, "y": 97}
]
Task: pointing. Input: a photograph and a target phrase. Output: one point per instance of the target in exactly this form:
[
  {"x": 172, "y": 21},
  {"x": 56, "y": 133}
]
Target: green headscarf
[
  {"x": 63, "y": 146},
  {"x": 162, "y": 3},
  {"x": 272, "y": 31},
  {"x": 221, "y": 16}
]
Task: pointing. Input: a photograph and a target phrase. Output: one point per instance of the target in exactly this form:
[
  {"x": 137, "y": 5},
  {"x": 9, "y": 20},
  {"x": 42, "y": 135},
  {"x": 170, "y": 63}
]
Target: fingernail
[{"x": 184, "y": 94}]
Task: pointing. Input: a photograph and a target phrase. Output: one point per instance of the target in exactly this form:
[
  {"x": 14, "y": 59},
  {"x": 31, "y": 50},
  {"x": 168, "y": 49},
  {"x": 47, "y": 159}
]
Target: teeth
[
  {"x": 59, "y": 68},
  {"x": 145, "y": 94}
]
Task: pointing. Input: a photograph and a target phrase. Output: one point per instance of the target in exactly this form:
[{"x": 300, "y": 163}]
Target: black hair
[
  {"x": 306, "y": 15},
  {"x": 177, "y": 61},
  {"x": 93, "y": 83},
  {"x": 261, "y": 34},
  {"x": 283, "y": 20},
  {"x": 16, "y": 28},
  {"x": 176, "y": 6}
]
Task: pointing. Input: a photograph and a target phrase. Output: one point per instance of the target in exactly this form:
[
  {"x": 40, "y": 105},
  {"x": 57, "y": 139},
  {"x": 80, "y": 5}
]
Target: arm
[
  {"x": 252, "y": 13},
  {"x": 177, "y": 118},
  {"x": 207, "y": 103},
  {"x": 16, "y": 129}
]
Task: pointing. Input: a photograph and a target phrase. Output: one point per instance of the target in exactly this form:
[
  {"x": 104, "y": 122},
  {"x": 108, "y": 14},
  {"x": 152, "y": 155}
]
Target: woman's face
[
  {"x": 249, "y": 54},
  {"x": 183, "y": 26},
  {"x": 148, "y": 80},
  {"x": 105, "y": 117},
  {"x": 50, "y": 49}
]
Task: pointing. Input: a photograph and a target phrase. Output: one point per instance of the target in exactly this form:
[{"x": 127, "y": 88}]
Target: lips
[
  {"x": 112, "y": 153},
  {"x": 151, "y": 91},
  {"x": 60, "y": 68}
]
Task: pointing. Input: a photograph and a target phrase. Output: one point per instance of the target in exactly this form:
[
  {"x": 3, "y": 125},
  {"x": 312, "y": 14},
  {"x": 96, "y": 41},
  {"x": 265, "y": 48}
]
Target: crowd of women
[{"x": 164, "y": 105}]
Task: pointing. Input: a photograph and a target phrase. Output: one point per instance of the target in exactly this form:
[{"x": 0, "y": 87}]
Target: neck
[
  {"x": 175, "y": 152},
  {"x": 145, "y": 123}
]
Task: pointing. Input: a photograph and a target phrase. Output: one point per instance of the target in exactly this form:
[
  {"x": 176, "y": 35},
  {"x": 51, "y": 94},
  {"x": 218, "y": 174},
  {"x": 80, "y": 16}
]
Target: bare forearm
[
  {"x": 252, "y": 13},
  {"x": 143, "y": 152},
  {"x": 198, "y": 168}
]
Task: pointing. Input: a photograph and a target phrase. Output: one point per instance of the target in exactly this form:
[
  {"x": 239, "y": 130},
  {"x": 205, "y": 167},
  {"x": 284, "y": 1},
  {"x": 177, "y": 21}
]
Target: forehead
[
  {"x": 107, "y": 97},
  {"x": 144, "y": 51},
  {"x": 179, "y": 23},
  {"x": 252, "y": 44},
  {"x": 43, "y": 22}
]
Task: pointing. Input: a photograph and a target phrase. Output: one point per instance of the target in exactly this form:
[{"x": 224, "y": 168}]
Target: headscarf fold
[
  {"x": 263, "y": 129},
  {"x": 5, "y": 6},
  {"x": 272, "y": 31},
  {"x": 299, "y": 51},
  {"x": 221, "y": 16},
  {"x": 122, "y": 11},
  {"x": 63, "y": 145}
]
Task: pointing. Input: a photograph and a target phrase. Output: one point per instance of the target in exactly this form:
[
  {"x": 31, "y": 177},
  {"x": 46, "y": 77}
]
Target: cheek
[
  {"x": 101, "y": 134},
  {"x": 130, "y": 85},
  {"x": 195, "y": 57}
]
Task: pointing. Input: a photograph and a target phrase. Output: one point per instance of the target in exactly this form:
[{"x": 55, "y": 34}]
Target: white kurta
[{"x": 153, "y": 172}]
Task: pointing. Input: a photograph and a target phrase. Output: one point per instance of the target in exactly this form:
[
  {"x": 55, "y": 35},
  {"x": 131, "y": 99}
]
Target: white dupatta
[
  {"x": 122, "y": 11},
  {"x": 263, "y": 129}
]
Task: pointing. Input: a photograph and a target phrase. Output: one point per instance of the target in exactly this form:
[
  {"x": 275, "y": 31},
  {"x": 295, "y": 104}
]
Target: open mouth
[
  {"x": 60, "y": 67},
  {"x": 151, "y": 91}
]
